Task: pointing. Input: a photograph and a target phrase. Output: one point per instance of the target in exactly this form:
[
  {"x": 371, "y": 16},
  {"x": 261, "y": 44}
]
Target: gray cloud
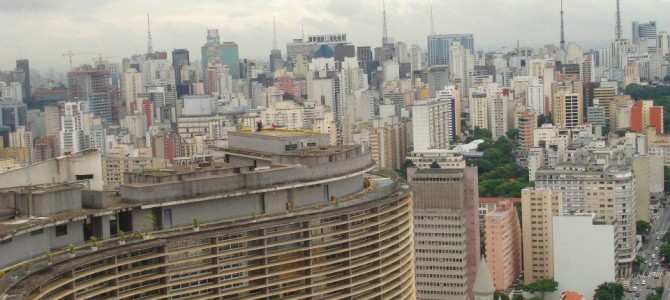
[{"x": 42, "y": 30}]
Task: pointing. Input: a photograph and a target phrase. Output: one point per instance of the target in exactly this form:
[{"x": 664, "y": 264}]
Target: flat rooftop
[
  {"x": 187, "y": 169},
  {"x": 278, "y": 132}
]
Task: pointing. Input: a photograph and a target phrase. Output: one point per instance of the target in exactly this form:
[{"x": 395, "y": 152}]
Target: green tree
[
  {"x": 653, "y": 296},
  {"x": 287, "y": 96},
  {"x": 498, "y": 295},
  {"x": 642, "y": 227},
  {"x": 609, "y": 291},
  {"x": 665, "y": 252},
  {"x": 621, "y": 132},
  {"x": 666, "y": 78},
  {"x": 541, "y": 286},
  {"x": 402, "y": 172},
  {"x": 666, "y": 179},
  {"x": 606, "y": 130},
  {"x": 512, "y": 133},
  {"x": 482, "y": 244},
  {"x": 659, "y": 290},
  {"x": 479, "y": 134}
]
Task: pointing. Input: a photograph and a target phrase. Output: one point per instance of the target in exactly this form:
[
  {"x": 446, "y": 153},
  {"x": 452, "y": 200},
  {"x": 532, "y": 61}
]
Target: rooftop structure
[{"x": 309, "y": 222}]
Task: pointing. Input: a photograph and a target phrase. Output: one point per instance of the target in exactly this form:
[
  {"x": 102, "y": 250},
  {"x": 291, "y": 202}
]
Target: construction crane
[
  {"x": 70, "y": 55},
  {"x": 100, "y": 57}
]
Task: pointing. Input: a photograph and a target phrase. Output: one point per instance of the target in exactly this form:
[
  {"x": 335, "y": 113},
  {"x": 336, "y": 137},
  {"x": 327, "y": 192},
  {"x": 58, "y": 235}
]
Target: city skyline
[{"x": 119, "y": 28}]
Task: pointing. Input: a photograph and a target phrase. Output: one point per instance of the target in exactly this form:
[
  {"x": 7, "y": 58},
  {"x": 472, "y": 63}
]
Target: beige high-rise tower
[
  {"x": 538, "y": 208},
  {"x": 446, "y": 232}
]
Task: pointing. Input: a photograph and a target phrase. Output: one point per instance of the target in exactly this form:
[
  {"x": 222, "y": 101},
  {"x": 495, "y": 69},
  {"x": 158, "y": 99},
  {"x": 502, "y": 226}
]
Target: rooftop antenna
[
  {"x": 562, "y": 29},
  {"x": 274, "y": 34},
  {"x": 432, "y": 25},
  {"x": 385, "y": 32},
  {"x": 303, "y": 32},
  {"x": 150, "y": 47},
  {"x": 617, "y": 31}
]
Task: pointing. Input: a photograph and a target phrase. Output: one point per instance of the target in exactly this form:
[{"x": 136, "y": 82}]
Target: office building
[
  {"x": 180, "y": 59},
  {"x": 308, "y": 47},
  {"x": 389, "y": 142},
  {"x": 613, "y": 203},
  {"x": 71, "y": 129},
  {"x": 567, "y": 103},
  {"x": 227, "y": 53},
  {"x": 646, "y": 31},
  {"x": 503, "y": 245},
  {"x": 316, "y": 239},
  {"x": 13, "y": 114},
  {"x": 539, "y": 206},
  {"x": 605, "y": 95},
  {"x": 433, "y": 124},
  {"x": 446, "y": 231},
  {"x": 439, "y": 47},
  {"x": 93, "y": 87},
  {"x": 24, "y": 66}
]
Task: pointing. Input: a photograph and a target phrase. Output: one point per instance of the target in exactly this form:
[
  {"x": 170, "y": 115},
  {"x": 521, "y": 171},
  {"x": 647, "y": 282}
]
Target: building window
[
  {"x": 61, "y": 230},
  {"x": 84, "y": 176}
]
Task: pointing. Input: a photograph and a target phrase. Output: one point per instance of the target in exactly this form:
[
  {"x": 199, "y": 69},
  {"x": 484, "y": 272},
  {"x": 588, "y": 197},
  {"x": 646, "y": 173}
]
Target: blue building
[
  {"x": 227, "y": 53},
  {"x": 439, "y": 44}
]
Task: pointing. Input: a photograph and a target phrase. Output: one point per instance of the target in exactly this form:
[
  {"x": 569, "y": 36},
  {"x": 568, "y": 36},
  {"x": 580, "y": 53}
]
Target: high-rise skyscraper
[
  {"x": 92, "y": 86},
  {"x": 71, "y": 130},
  {"x": 24, "y": 65},
  {"x": 646, "y": 31},
  {"x": 538, "y": 208},
  {"x": 503, "y": 244},
  {"x": 446, "y": 231},
  {"x": 180, "y": 58},
  {"x": 439, "y": 46},
  {"x": 226, "y": 52}
]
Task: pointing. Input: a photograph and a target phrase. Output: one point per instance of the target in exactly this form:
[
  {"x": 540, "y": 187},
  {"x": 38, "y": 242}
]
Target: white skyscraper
[
  {"x": 432, "y": 124},
  {"x": 535, "y": 96},
  {"x": 72, "y": 133},
  {"x": 461, "y": 64}
]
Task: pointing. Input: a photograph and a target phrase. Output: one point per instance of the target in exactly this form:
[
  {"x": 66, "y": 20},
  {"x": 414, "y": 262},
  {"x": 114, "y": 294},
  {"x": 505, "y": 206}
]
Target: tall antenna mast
[
  {"x": 432, "y": 25},
  {"x": 150, "y": 47},
  {"x": 562, "y": 29},
  {"x": 385, "y": 33},
  {"x": 274, "y": 34},
  {"x": 617, "y": 31}
]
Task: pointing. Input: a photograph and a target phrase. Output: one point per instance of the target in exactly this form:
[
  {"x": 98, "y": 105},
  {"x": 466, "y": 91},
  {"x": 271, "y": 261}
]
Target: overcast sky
[{"x": 42, "y": 30}]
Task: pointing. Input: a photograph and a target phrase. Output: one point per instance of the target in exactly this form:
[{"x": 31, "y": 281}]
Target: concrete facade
[
  {"x": 85, "y": 165},
  {"x": 606, "y": 190},
  {"x": 446, "y": 230},
  {"x": 503, "y": 245},
  {"x": 539, "y": 206},
  {"x": 584, "y": 253},
  {"x": 310, "y": 237}
]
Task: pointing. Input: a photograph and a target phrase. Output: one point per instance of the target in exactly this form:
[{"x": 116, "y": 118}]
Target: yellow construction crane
[
  {"x": 100, "y": 58},
  {"x": 70, "y": 55}
]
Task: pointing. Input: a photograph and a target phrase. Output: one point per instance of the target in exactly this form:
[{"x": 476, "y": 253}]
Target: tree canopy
[
  {"x": 499, "y": 174},
  {"x": 609, "y": 291},
  {"x": 542, "y": 286},
  {"x": 642, "y": 227}
]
